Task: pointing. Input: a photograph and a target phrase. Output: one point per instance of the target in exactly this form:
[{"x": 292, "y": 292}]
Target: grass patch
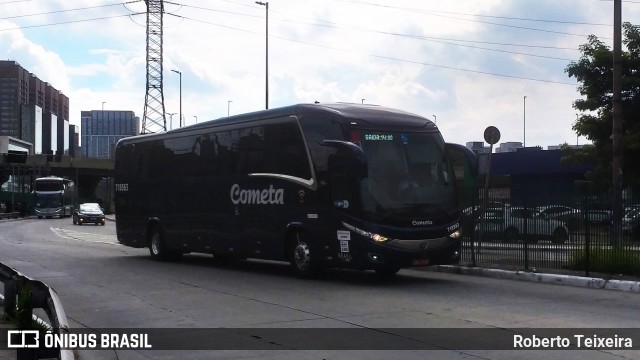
[
  {"x": 608, "y": 261},
  {"x": 21, "y": 320}
]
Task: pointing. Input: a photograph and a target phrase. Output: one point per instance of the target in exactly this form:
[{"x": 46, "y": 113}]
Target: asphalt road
[{"x": 105, "y": 285}]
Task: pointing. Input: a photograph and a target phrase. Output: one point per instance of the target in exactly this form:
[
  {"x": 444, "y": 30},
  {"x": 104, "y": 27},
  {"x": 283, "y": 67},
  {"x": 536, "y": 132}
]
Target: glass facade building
[{"x": 101, "y": 130}]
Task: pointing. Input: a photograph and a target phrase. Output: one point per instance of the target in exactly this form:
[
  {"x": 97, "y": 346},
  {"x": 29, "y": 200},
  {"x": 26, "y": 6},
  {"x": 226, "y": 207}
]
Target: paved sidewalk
[{"x": 560, "y": 279}]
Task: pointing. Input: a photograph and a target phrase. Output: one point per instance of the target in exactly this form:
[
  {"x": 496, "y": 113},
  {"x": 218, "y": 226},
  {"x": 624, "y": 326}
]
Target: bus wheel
[
  {"x": 157, "y": 247},
  {"x": 301, "y": 257}
]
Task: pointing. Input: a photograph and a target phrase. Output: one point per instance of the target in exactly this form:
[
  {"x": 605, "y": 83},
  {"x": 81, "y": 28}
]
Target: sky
[{"x": 465, "y": 64}]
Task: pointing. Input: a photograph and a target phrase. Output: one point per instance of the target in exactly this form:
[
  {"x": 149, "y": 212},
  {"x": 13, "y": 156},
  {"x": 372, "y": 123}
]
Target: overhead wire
[
  {"x": 376, "y": 55},
  {"x": 334, "y": 25},
  {"x": 68, "y": 10}
]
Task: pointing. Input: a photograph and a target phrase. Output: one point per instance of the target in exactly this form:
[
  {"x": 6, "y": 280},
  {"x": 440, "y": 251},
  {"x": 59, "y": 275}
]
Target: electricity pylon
[{"x": 154, "y": 119}]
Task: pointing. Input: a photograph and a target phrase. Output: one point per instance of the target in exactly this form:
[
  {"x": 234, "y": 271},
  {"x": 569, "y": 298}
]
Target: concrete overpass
[{"x": 91, "y": 176}]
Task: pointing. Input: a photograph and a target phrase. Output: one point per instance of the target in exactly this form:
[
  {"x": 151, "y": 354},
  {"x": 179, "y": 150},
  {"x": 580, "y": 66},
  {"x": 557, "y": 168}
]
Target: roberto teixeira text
[
  {"x": 576, "y": 341},
  {"x": 19, "y": 339}
]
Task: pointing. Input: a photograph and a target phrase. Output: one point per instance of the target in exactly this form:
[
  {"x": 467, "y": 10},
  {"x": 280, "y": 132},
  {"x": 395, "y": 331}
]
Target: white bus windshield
[{"x": 409, "y": 178}]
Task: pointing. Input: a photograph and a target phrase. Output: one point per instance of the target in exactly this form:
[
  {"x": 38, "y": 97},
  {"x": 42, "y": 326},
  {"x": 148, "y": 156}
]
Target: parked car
[
  {"x": 571, "y": 216},
  {"x": 88, "y": 213},
  {"x": 631, "y": 223},
  {"x": 599, "y": 217},
  {"x": 508, "y": 224},
  {"x": 471, "y": 216}
]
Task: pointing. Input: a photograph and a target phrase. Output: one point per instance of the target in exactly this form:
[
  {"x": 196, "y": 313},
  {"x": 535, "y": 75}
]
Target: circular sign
[{"x": 491, "y": 135}]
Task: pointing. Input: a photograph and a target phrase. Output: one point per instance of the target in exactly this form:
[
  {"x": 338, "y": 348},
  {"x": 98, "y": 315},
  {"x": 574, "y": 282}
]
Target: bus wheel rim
[
  {"x": 302, "y": 256},
  {"x": 155, "y": 244}
]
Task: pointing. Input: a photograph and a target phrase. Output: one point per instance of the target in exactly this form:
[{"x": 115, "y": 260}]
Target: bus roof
[{"x": 373, "y": 115}]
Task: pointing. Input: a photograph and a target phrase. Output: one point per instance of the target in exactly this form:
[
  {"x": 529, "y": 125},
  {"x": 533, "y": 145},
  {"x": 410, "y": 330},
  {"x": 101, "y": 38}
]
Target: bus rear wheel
[
  {"x": 158, "y": 248},
  {"x": 301, "y": 257}
]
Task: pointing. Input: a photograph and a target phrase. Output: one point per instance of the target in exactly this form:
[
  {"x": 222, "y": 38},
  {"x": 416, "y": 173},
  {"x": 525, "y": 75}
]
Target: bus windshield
[
  {"x": 409, "y": 178},
  {"x": 52, "y": 200},
  {"x": 49, "y": 185}
]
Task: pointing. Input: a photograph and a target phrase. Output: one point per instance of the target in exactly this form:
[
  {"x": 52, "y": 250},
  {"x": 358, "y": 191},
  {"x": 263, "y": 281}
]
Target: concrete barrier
[{"x": 41, "y": 296}]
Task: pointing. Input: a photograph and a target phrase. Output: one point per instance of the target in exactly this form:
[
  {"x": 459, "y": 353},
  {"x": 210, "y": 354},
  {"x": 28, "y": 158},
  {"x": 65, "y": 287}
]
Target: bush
[{"x": 608, "y": 261}]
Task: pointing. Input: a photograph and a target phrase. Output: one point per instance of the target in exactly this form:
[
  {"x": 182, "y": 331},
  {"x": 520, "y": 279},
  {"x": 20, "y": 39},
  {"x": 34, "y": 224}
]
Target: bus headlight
[
  {"x": 373, "y": 236},
  {"x": 456, "y": 234}
]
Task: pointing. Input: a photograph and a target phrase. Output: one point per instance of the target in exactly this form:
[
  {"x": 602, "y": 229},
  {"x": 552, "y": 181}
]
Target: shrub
[{"x": 608, "y": 261}]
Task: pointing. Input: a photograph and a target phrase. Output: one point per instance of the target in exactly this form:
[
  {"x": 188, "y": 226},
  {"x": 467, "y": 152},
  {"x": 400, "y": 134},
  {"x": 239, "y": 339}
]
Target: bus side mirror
[
  {"x": 353, "y": 155},
  {"x": 457, "y": 153}
]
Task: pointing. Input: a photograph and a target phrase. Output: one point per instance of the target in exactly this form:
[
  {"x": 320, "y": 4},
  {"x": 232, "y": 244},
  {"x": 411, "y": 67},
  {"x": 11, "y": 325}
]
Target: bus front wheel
[{"x": 302, "y": 257}]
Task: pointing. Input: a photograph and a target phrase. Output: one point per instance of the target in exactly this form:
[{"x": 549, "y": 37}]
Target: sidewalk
[{"x": 548, "y": 278}]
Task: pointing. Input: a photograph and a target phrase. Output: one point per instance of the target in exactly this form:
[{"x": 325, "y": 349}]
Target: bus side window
[
  {"x": 251, "y": 150},
  {"x": 285, "y": 151}
]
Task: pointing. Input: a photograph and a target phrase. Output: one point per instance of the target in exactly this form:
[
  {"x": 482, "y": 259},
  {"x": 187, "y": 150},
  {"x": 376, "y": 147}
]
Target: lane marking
[{"x": 86, "y": 237}]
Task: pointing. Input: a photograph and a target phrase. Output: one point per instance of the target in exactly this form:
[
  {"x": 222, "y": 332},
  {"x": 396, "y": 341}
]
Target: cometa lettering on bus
[{"x": 257, "y": 196}]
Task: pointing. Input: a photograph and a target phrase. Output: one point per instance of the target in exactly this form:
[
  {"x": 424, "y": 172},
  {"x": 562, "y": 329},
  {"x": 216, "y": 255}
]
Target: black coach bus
[{"x": 317, "y": 185}]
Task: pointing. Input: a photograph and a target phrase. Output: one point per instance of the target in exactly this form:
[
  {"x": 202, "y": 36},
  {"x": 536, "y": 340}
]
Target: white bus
[{"x": 54, "y": 196}]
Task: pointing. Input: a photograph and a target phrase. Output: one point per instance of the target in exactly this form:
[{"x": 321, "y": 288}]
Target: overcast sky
[{"x": 465, "y": 64}]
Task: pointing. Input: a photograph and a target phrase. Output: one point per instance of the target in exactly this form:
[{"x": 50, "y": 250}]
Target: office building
[
  {"x": 101, "y": 129},
  {"x": 478, "y": 147},
  {"x": 509, "y": 146},
  {"x": 33, "y": 110}
]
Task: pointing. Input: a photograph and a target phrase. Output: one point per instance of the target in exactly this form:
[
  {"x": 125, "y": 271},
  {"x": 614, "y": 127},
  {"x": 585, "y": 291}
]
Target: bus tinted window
[
  {"x": 274, "y": 149},
  {"x": 287, "y": 154}
]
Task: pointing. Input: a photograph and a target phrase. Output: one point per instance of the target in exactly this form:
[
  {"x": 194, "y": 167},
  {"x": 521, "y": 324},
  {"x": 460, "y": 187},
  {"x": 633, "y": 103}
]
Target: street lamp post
[
  {"x": 266, "y": 62},
  {"x": 228, "y": 106},
  {"x": 435, "y": 119},
  {"x": 180, "y": 73},
  {"x": 196, "y": 118},
  {"x": 171, "y": 120},
  {"x": 524, "y": 123}
]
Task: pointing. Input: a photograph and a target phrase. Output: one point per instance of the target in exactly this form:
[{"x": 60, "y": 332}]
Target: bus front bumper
[
  {"x": 48, "y": 211},
  {"x": 410, "y": 253}
]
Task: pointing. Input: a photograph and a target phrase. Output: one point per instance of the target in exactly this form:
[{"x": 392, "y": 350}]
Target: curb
[{"x": 569, "y": 280}]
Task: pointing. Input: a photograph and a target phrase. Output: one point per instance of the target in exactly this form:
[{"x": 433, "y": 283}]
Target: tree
[{"x": 594, "y": 71}]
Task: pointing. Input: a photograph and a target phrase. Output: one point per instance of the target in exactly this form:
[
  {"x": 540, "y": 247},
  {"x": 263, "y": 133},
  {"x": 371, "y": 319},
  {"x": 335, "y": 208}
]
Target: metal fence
[{"x": 539, "y": 233}]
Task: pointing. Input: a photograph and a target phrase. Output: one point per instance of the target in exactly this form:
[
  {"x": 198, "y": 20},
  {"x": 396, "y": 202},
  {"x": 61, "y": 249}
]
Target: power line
[
  {"x": 334, "y": 25},
  {"x": 475, "y": 15},
  {"x": 68, "y": 10},
  {"x": 14, "y": 1},
  {"x": 69, "y": 22},
  {"x": 380, "y": 56}
]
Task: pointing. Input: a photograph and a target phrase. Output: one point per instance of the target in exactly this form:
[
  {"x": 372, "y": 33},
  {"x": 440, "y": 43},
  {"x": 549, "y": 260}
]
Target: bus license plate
[{"x": 420, "y": 262}]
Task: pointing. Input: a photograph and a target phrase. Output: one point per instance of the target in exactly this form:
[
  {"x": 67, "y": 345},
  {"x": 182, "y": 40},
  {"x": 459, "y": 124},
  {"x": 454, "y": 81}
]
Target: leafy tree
[{"x": 594, "y": 71}]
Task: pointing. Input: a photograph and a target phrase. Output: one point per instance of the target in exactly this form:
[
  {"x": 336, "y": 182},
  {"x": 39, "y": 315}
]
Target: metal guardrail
[
  {"x": 9, "y": 215},
  {"x": 41, "y": 297}
]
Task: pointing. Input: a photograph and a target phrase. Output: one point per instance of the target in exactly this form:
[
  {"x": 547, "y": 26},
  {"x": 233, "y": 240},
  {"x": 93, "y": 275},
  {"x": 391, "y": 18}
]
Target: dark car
[
  {"x": 631, "y": 223},
  {"x": 88, "y": 213}
]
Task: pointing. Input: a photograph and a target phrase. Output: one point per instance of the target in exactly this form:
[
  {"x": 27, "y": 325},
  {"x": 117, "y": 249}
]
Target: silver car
[{"x": 516, "y": 223}]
